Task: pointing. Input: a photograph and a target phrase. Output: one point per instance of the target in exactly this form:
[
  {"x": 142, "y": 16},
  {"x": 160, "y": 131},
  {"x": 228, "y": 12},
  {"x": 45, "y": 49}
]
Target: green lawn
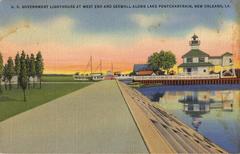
[
  {"x": 58, "y": 79},
  {"x": 11, "y": 102},
  {"x": 61, "y": 78}
]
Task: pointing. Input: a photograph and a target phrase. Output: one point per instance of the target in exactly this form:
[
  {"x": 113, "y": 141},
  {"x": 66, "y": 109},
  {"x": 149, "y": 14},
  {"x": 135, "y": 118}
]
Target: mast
[
  {"x": 100, "y": 66},
  {"x": 91, "y": 63},
  {"x": 112, "y": 67}
]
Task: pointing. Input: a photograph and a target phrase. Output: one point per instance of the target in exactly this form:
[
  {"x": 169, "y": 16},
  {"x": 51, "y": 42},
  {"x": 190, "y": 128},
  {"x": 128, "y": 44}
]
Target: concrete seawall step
[{"x": 162, "y": 132}]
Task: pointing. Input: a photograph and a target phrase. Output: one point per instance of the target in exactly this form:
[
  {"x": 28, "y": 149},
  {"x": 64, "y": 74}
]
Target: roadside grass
[{"x": 11, "y": 102}]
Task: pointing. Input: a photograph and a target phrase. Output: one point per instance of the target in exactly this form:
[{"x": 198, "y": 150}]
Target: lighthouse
[
  {"x": 195, "y": 42},
  {"x": 199, "y": 62}
]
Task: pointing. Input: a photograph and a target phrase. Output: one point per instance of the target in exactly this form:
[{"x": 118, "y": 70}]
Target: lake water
[{"x": 214, "y": 111}]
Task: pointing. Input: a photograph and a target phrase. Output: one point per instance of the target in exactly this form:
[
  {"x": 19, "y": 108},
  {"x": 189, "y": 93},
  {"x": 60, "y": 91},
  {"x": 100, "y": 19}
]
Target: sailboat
[{"x": 97, "y": 76}]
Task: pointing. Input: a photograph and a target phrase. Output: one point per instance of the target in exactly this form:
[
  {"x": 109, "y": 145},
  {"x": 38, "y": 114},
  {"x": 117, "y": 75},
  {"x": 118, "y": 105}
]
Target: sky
[{"x": 119, "y": 36}]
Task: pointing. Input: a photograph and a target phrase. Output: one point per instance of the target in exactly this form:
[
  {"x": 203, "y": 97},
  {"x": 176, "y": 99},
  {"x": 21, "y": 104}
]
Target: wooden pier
[{"x": 191, "y": 81}]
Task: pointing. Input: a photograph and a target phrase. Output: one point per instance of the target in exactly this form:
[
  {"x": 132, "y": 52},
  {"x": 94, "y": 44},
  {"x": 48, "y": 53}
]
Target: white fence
[
  {"x": 176, "y": 77},
  {"x": 123, "y": 77}
]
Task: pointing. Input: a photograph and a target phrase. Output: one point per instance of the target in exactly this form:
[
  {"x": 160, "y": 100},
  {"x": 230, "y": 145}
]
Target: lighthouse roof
[
  {"x": 195, "y": 53},
  {"x": 227, "y": 54},
  {"x": 194, "y": 36}
]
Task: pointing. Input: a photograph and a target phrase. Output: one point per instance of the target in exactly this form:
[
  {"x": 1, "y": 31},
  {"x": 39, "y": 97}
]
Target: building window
[
  {"x": 189, "y": 70},
  {"x": 190, "y": 107},
  {"x": 202, "y": 59},
  {"x": 202, "y": 107},
  {"x": 189, "y": 60}
]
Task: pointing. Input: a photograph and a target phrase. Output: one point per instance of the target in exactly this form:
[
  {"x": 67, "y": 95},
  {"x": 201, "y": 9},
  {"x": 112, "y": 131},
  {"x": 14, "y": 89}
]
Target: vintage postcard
[{"x": 119, "y": 76}]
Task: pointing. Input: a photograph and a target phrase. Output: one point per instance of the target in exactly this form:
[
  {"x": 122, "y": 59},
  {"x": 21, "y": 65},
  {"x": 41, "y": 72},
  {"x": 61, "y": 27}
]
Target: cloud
[
  {"x": 13, "y": 29},
  {"x": 64, "y": 30},
  {"x": 237, "y": 31},
  {"x": 56, "y": 29},
  {"x": 63, "y": 47},
  {"x": 149, "y": 21},
  {"x": 216, "y": 42}
]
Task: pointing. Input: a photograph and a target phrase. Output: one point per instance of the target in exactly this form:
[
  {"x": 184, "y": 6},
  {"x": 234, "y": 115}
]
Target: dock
[{"x": 105, "y": 117}]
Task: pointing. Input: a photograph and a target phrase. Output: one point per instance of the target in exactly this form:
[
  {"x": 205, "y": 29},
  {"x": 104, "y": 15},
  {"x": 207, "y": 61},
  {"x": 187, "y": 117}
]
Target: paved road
[{"x": 93, "y": 119}]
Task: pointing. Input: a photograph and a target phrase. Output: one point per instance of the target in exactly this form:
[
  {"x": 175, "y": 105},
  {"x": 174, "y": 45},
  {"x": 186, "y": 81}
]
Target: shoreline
[
  {"x": 191, "y": 87},
  {"x": 178, "y": 135}
]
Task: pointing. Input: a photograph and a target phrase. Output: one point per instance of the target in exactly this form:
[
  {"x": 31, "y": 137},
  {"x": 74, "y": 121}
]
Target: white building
[{"x": 197, "y": 61}]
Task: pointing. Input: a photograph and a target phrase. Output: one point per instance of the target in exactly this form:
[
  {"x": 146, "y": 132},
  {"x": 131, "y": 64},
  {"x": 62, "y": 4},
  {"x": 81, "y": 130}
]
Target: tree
[
  {"x": 132, "y": 73},
  {"x": 32, "y": 66},
  {"x": 39, "y": 67},
  {"x": 27, "y": 61},
  {"x": 163, "y": 59},
  {"x": 5, "y": 75},
  {"x": 1, "y": 71},
  {"x": 155, "y": 61},
  {"x": 168, "y": 60},
  {"x": 17, "y": 67},
  {"x": 10, "y": 71},
  {"x": 23, "y": 77}
]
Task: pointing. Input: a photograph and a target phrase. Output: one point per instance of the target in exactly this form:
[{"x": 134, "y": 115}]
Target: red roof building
[{"x": 145, "y": 73}]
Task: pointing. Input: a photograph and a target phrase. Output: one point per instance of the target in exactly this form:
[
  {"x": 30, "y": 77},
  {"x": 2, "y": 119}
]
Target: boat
[
  {"x": 81, "y": 77},
  {"x": 97, "y": 76}
]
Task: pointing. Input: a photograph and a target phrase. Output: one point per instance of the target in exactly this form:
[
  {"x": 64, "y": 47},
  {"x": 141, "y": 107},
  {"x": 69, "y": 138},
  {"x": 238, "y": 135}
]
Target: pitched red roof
[{"x": 142, "y": 73}]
